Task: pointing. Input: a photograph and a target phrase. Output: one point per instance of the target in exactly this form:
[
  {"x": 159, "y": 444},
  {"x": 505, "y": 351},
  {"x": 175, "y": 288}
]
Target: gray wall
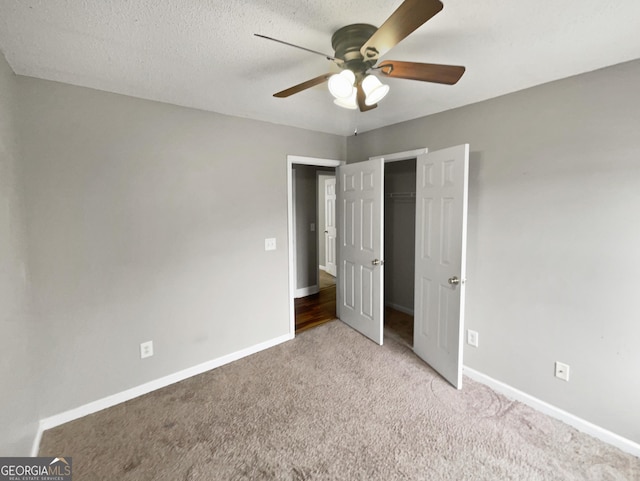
[
  {"x": 399, "y": 235},
  {"x": 306, "y": 210},
  {"x": 147, "y": 221},
  {"x": 554, "y": 230},
  {"x": 18, "y": 334}
]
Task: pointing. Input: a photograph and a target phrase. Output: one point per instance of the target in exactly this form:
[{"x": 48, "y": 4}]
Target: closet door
[
  {"x": 360, "y": 247},
  {"x": 441, "y": 220}
]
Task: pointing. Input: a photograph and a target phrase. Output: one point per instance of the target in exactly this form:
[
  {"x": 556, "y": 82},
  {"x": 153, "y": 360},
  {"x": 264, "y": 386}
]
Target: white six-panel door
[
  {"x": 330, "y": 225},
  {"x": 360, "y": 247},
  {"x": 441, "y": 219}
]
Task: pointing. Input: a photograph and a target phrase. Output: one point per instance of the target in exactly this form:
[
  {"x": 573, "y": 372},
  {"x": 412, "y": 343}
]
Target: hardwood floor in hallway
[
  {"x": 311, "y": 311},
  {"x": 316, "y": 309}
]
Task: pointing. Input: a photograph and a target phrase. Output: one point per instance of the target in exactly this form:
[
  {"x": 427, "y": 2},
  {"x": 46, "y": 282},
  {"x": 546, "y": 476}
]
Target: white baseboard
[
  {"x": 306, "y": 291},
  {"x": 399, "y": 308},
  {"x": 35, "y": 447},
  {"x": 323, "y": 268},
  {"x": 109, "y": 401},
  {"x": 580, "y": 424}
]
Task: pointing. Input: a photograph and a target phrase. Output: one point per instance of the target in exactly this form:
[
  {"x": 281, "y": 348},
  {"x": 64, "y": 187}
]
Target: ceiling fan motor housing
[{"x": 347, "y": 42}]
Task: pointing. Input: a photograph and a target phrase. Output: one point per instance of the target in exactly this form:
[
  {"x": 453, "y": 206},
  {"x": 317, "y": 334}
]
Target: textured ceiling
[{"x": 202, "y": 53}]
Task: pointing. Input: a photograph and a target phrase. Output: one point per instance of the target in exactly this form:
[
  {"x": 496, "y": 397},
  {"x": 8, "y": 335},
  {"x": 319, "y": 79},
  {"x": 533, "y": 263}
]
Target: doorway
[
  {"x": 399, "y": 249},
  {"x": 312, "y": 291},
  {"x": 315, "y": 239},
  {"x": 320, "y": 307}
]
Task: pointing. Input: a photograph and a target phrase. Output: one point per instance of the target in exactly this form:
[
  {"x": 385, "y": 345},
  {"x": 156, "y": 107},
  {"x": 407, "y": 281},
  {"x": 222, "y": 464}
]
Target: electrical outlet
[
  {"x": 270, "y": 244},
  {"x": 146, "y": 349},
  {"x": 562, "y": 371},
  {"x": 472, "y": 338},
  {"x": 313, "y": 227}
]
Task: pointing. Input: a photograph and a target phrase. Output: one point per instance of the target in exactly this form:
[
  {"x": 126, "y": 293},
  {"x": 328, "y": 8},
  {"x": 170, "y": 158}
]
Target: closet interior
[{"x": 399, "y": 248}]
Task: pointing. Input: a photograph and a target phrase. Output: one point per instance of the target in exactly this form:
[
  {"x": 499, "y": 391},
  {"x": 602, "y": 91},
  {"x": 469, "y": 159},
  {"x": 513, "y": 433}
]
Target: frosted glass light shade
[
  {"x": 374, "y": 89},
  {"x": 349, "y": 102},
  {"x": 341, "y": 84}
]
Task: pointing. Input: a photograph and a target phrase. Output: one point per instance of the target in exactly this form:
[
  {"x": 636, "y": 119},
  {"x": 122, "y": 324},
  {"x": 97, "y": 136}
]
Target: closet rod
[{"x": 401, "y": 195}]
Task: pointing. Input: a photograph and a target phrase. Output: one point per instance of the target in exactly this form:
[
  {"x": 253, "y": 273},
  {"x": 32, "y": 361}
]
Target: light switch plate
[{"x": 270, "y": 244}]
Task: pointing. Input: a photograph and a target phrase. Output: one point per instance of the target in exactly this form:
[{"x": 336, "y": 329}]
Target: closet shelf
[{"x": 401, "y": 195}]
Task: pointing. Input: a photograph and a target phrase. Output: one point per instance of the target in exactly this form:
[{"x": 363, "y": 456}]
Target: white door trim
[
  {"x": 300, "y": 160},
  {"x": 398, "y": 156}
]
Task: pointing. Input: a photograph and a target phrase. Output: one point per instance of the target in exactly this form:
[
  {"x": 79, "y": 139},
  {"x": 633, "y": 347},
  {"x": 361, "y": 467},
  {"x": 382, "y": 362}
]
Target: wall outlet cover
[
  {"x": 562, "y": 371},
  {"x": 472, "y": 338},
  {"x": 146, "y": 349}
]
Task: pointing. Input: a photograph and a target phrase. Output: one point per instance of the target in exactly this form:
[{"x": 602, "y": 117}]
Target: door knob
[
  {"x": 326, "y": 232},
  {"x": 377, "y": 262},
  {"x": 454, "y": 280}
]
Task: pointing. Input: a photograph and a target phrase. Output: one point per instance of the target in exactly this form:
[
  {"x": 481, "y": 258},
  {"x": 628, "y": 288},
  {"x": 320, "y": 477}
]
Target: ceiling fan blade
[
  {"x": 426, "y": 72},
  {"x": 303, "y": 86},
  {"x": 408, "y": 17},
  {"x": 328, "y": 57},
  {"x": 360, "y": 97}
]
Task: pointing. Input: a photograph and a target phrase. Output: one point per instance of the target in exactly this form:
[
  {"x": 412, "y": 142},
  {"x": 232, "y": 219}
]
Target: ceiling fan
[{"x": 358, "y": 48}]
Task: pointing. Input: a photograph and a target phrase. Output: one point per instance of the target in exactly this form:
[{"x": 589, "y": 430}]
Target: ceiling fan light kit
[
  {"x": 343, "y": 87},
  {"x": 358, "y": 48},
  {"x": 348, "y": 103},
  {"x": 374, "y": 90},
  {"x": 341, "y": 84}
]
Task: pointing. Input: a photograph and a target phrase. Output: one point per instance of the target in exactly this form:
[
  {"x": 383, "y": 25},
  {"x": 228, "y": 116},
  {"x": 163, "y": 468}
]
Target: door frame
[
  {"x": 398, "y": 156},
  {"x": 291, "y": 161}
]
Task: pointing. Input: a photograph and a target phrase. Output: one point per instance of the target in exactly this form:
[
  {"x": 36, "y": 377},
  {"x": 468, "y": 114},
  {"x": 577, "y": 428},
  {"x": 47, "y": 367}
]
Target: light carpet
[{"x": 330, "y": 405}]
